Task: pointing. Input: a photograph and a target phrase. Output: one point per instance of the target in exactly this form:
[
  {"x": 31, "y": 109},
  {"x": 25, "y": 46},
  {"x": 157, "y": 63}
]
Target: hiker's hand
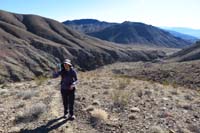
[{"x": 71, "y": 87}]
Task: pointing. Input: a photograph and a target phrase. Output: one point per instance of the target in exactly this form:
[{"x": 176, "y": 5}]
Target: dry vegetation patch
[
  {"x": 31, "y": 113},
  {"x": 98, "y": 116},
  {"x": 169, "y": 73}
]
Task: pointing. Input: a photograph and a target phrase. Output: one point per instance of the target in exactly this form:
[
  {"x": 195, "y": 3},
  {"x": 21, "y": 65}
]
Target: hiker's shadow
[{"x": 47, "y": 127}]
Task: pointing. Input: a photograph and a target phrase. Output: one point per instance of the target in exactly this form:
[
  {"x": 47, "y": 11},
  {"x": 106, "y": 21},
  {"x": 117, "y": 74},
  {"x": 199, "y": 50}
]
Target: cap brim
[{"x": 67, "y": 63}]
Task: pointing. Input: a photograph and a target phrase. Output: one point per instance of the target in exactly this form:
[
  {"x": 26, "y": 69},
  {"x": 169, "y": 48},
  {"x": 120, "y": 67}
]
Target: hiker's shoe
[
  {"x": 65, "y": 115},
  {"x": 72, "y": 117}
]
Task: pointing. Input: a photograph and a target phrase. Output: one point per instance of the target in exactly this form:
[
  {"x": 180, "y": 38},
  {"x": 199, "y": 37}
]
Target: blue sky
[{"x": 174, "y": 13}]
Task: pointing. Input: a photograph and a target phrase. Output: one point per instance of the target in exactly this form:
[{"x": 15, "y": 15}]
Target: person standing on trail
[{"x": 68, "y": 82}]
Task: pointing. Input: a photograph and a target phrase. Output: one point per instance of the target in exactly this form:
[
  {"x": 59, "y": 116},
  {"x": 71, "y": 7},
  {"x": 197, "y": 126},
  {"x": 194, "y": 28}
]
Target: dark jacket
[{"x": 68, "y": 78}]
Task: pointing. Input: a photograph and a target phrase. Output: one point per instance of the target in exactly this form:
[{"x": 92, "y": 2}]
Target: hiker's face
[{"x": 67, "y": 66}]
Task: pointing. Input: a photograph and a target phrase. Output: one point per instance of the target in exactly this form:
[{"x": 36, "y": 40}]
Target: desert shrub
[
  {"x": 165, "y": 82},
  {"x": 27, "y": 94},
  {"x": 98, "y": 116},
  {"x": 19, "y": 105},
  {"x": 157, "y": 129},
  {"x": 122, "y": 81},
  {"x": 120, "y": 98},
  {"x": 40, "y": 80},
  {"x": 3, "y": 86},
  {"x": 3, "y": 91},
  {"x": 31, "y": 114}
]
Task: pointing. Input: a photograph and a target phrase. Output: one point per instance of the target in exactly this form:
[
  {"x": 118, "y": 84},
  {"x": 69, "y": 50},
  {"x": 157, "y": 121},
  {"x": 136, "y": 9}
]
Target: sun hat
[{"x": 67, "y": 61}]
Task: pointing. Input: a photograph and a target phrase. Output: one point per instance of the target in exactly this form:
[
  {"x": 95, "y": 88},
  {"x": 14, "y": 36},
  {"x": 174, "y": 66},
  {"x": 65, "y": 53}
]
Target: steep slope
[
  {"x": 187, "y": 54},
  {"x": 139, "y": 33},
  {"x": 88, "y": 25},
  {"x": 31, "y": 45}
]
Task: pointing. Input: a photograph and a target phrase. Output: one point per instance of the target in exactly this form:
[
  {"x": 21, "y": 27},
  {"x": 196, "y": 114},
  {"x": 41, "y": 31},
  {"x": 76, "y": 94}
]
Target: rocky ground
[
  {"x": 169, "y": 73},
  {"x": 106, "y": 101}
]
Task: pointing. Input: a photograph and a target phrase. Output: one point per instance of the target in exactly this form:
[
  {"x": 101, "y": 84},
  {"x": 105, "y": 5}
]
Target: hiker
[{"x": 68, "y": 82}]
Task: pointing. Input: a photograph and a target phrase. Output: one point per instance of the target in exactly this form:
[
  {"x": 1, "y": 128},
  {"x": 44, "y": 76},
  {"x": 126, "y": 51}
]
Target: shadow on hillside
[{"x": 51, "y": 125}]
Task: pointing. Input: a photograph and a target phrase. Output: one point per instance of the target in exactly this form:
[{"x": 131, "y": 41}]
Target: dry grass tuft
[
  {"x": 26, "y": 94},
  {"x": 40, "y": 80},
  {"x": 120, "y": 98},
  {"x": 31, "y": 114},
  {"x": 98, "y": 116}
]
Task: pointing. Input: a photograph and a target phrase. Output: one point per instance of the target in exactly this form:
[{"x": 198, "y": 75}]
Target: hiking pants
[{"x": 68, "y": 97}]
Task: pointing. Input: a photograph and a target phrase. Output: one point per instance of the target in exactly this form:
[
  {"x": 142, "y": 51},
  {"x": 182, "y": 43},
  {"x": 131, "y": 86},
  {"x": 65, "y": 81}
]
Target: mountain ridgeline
[
  {"x": 129, "y": 33},
  {"x": 31, "y": 46},
  {"x": 187, "y": 37},
  {"x": 88, "y": 25},
  {"x": 189, "y": 31}
]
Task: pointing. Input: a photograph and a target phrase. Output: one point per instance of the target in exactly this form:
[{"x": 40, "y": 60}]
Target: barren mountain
[
  {"x": 31, "y": 45},
  {"x": 139, "y": 33},
  {"x": 187, "y": 54},
  {"x": 127, "y": 33},
  {"x": 88, "y": 25}
]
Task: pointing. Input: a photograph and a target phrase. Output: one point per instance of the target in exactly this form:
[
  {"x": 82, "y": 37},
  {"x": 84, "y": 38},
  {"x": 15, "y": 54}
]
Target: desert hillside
[
  {"x": 187, "y": 54},
  {"x": 106, "y": 101},
  {"x": 32, "y": 45}
]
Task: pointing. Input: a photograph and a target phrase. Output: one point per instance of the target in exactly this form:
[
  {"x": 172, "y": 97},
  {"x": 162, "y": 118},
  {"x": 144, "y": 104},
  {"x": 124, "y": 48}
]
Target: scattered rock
[
  {"x": 132, "y": 116},
  {"x": 188, "y": 97},
  {"x": 165, "y": 99},
  {"x": 14, "y": 130},
  {"x": 186, "y": 106},
  {"x": 139, "y": 93},
  {"x": 156, "y": 129},
  {"x": 175, "y": 92},
  {"x": 135, "y": 109},
  {"x": 89, "y": 108},
  {"x": 3, "y": 91},
  {"x": 106, "y": 92},
  {"x": 148, "y": 92},
  {"x": 94, "y": 94},
  {"x": 49, "y": 83},
  {"x": 194, "y": 128},
  {"x": 96, "y": 102},
  {"x": 163, "y": 108},
  {"x": 171, "y": 131},
  {"x": 2, "y": 110},
  {"x": 12, "y": 119},
  {"x": 1, "y": 131},
  {"x": 184, "y": 130},
  {"x": 165, "y": 114}
]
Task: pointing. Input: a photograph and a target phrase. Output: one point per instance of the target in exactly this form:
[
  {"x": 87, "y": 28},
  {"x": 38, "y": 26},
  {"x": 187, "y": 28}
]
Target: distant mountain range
[
  {"x": 187, "y": 31},
  {"x": 128, "y": 33},
  {"x": 31, "y": 46},
  {"x": 189, "y": 38}
]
